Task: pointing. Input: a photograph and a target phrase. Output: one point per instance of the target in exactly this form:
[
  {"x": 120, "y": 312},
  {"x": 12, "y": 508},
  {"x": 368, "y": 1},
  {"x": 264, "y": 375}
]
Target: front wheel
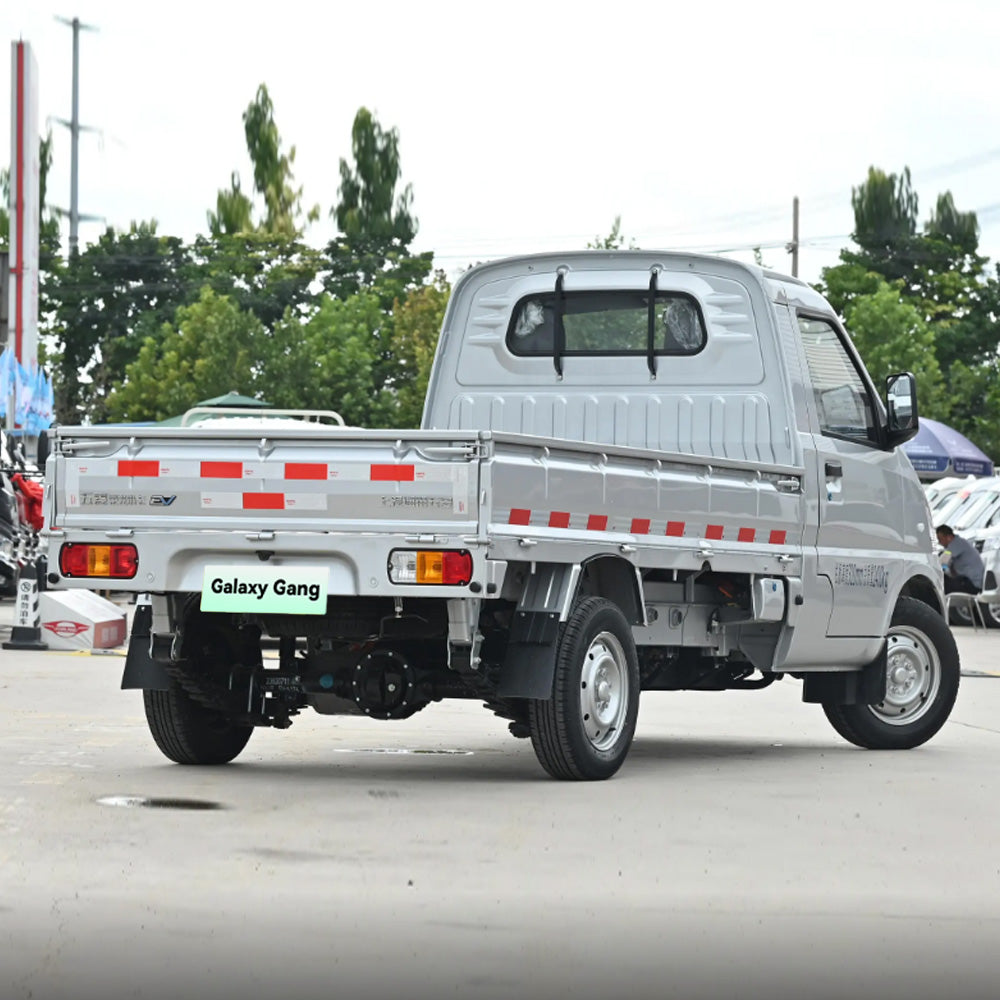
[
  {"x": 585, "y": 730},
  {"x": 922, "y": 675}
]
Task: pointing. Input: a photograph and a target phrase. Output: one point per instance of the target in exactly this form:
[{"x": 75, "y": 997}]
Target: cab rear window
[{"x": 607, "y": 323}]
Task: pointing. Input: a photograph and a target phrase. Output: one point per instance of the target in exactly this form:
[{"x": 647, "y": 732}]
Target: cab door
[{"x": 858, "y": 486}]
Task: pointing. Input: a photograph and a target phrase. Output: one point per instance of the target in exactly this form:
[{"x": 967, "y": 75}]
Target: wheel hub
[
  {"x": 913, "y": 675},
  {"x": 902, "y": 676},
  {"x": 604, "y": 690}
]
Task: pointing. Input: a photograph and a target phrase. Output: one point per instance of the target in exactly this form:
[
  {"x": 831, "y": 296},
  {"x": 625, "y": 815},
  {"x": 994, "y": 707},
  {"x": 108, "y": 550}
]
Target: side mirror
[{"x": 903, "y": 418}]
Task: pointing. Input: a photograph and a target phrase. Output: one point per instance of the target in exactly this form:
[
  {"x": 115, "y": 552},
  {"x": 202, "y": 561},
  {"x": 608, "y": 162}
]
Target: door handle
[
  {"x": 834, "y": 470},
  {"x": 789, "y": 485}
]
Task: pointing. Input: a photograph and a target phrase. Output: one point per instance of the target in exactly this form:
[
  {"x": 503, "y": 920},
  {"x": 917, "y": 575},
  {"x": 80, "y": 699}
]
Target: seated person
[{"x": 965, "y": 570}]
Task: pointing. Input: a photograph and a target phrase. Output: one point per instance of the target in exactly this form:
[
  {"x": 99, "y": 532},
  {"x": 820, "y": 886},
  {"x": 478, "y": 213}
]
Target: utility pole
[
  {"x": 793, "y": 247},
  {"x": 75, "y": 128}
]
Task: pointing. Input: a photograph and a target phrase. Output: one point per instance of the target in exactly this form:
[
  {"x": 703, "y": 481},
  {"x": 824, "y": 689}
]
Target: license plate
[{"x": 281, "y": 590}]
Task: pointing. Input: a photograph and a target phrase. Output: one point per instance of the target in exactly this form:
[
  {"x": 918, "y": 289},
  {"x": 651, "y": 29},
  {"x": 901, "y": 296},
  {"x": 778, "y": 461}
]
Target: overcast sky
[{"x": 530, "y": 126}]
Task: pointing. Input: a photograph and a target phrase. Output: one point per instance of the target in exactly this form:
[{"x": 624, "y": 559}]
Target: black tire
[
  {"x": 922, "y": 684},
  {"x": 583, "y": 733},
  {"x": 189, "y": 733},
  {"x": 991, "y": 615}
]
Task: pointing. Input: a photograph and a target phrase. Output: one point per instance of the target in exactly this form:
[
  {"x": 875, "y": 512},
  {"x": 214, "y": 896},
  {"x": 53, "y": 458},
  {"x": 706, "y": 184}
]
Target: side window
[
  {"x": 842, "y": 399},
  {"x": 608, "y": 323}
]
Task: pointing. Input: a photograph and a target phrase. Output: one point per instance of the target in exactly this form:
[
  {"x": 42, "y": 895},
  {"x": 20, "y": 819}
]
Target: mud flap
[
  {"x": 529, "y": 666},
  {"x": 856, "y": 687},
  {"x": 141, "y": 670}
]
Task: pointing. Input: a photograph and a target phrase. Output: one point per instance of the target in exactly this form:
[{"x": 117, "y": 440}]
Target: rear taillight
[
  {"x": 119, "y": 562},
  {"x": 447, "y": 567}
]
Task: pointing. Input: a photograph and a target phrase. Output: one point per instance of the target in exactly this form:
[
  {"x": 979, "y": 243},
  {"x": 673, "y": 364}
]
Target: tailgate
[{"x": 327, "y": 480}]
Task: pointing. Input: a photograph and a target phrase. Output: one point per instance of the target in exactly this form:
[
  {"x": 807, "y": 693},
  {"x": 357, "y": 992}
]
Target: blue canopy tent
[{"x": 938, "y": 450}]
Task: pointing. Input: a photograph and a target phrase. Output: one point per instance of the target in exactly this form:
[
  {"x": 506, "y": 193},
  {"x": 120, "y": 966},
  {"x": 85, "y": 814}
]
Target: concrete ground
[{"x": 744, "y": 850}]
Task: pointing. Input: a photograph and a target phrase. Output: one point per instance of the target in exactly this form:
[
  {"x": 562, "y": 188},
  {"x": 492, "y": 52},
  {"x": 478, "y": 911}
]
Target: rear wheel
[
  {"x": 922, "y": 678},
  {"x": 195, "y": 724},
  {"x": 585, "y": 730},
  {"x": 189, "y": 733}
]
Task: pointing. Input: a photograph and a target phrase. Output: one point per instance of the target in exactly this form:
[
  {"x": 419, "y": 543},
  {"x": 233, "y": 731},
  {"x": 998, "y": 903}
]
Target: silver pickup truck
[{"x": 636, "y": 472}]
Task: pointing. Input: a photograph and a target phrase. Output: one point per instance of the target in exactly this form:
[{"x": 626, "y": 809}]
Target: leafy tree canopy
[
  {"x": 273, "y": 181},
  {"x": 211, "y": 348},
  {"x": 369, "y": 206},
  {"x": 376, "y": 224},
  {"x": 892, "y": 336},
  {"x": 418, "y": 322},
  {"x": 923, "y": 300},
  {"x": 614, "y": 240},
  {"x": 106, "y": 300}
]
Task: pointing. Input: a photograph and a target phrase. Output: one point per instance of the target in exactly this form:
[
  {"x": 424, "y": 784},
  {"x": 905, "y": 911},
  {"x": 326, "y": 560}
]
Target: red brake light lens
[
  {"x": 118, "y": 562},
  {"x": 456, "y": 567}
]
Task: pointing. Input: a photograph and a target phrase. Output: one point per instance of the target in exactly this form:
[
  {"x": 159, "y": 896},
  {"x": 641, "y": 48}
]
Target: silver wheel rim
[
  {"x": 963, "y": 613},
  {"x": 913, "y": 676},
  {"x": 604, "y": 691}
]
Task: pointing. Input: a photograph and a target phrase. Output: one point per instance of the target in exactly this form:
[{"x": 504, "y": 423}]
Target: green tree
[
  {"x": 418, "y": 321},
  {"x": 885, "y": 213},
  {"x": 938, "y": 275},
  {"x": 330, "y": 360},
  {"x": 369, "y": 205},
  {"x": 233, "y": 211},
  {"x": 273, "y": 181},
  {"x": 376, "y": 223},
  {"x": 885, "y": 228},
  {"x": 106, "y": 300},
  {"x": 614, "y": 240},
  {"x": 960, "y": 229},
  {"x": 264, "y": 273},
  {"x": 974, "y": 403},
  {"x": 891, "y": 335},
  {"x": 211, "y": 347},
  {"x": 371, "y": 257}
]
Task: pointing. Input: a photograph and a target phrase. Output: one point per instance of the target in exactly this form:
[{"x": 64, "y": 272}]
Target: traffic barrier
[{"x": 27, "y": 631}]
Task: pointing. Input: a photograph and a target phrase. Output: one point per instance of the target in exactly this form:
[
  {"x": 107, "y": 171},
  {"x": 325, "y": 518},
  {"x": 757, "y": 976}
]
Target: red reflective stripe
[
  {"x": 393, "y": 473},
  {"x": 221, "y": 470},
  {"x": 597, "y": 522},
  {"x": 263, "y": 501},
  {"x": 306, "y": 470},
  {"x": 675, "y": 528},
  {"x": 714, "y": 531},
  {"x": 519, "y": 515},
  {"x": 640, "y": 526},
  {"x": 746, "y": 535},
  {"x": 134, "y": 468},
  {"x": 778, "y": 537},
  {"x": 558, "y": 519}
]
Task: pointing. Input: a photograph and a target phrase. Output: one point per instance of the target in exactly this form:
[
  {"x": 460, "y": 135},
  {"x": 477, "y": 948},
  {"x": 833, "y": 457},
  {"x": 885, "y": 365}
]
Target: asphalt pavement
[{"x": 743, "y": 851}]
